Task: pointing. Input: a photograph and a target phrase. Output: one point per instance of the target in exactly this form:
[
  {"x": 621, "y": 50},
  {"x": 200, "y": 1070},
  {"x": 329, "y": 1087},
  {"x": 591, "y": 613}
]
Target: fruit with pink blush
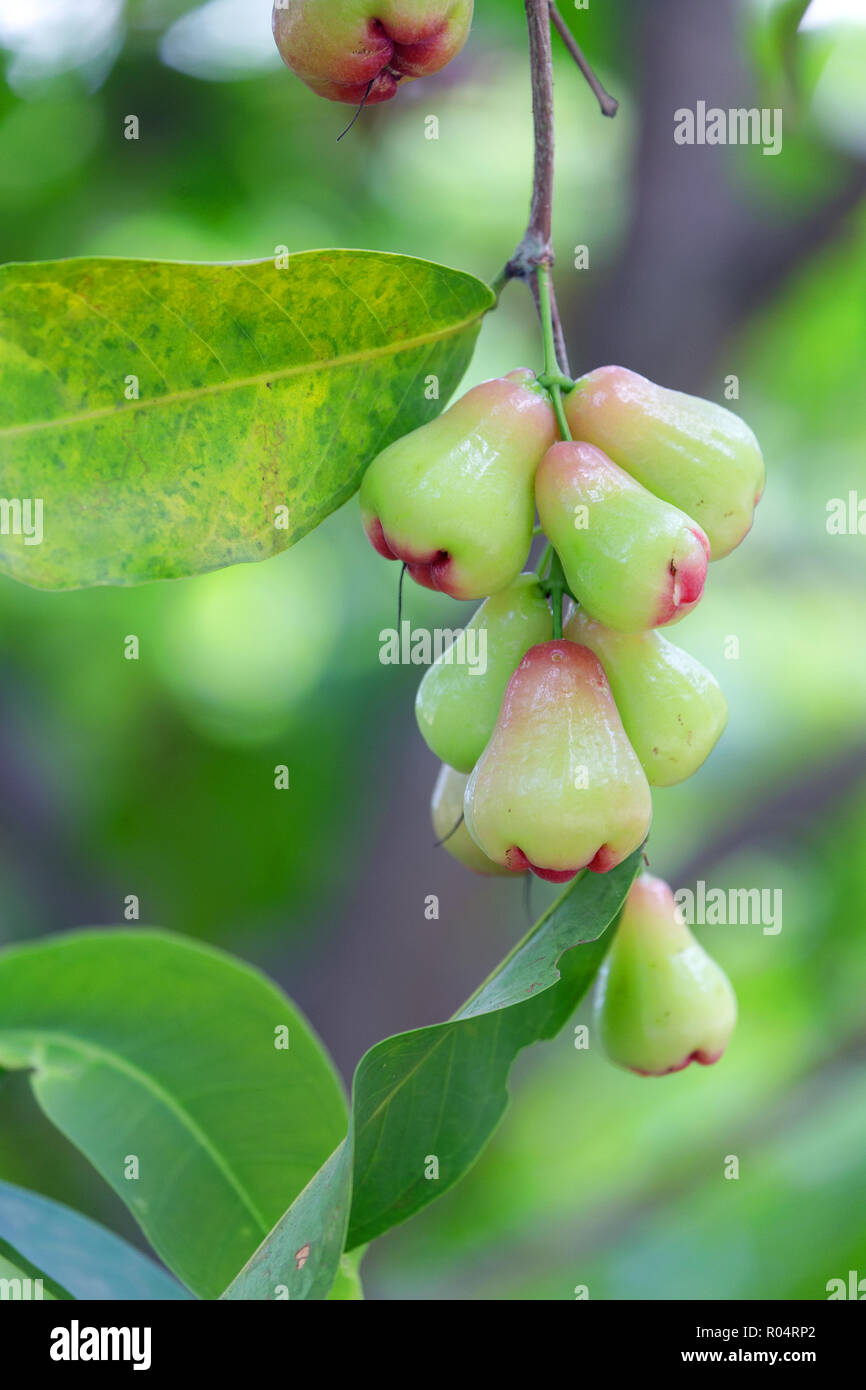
[
  {"x": 671, "y": 707},
  {"x": 446, "y": 813},
  {"x": 692, "y": 453},
  {"x": 362, "y": 50},
  {"x": 558, "y": 787},
  {"x": 632, "y": 560},
  {"x": 661, "y": 1001},
  {"x": 459, "y": 698},
  {"x": 454, "y": 499}
]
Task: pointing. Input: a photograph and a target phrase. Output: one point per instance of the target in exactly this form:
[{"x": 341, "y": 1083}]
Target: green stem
[
  {"x": 559, "y": 412},
  {"x": 553, "y": 377},
  {"x": 551, "y": 365},
  {"x": 545, "y": 560},
  {"x": 498, "y": 285},
  {"x": 557, "y": 587}
]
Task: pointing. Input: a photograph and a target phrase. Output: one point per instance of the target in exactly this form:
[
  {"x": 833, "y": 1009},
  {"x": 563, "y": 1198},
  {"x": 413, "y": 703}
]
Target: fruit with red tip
[
  {"x": 632, "y": 560},
  {"x": 454, "y": 499},
  {"x": 449, "y": 827},
  {"x": 362, "y": 50},
  {"x": 459, "y": 698},
  {"x": 672, "y": 708},
  {"x": 558, "y": 787},
  {"x": 693, "y": 453},
  {"x": 661, "y": 1001}
]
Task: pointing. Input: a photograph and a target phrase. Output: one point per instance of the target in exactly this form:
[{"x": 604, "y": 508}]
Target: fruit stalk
[
  {"x": 556, "y": 588},
  {"x": 554, "y": 378}
]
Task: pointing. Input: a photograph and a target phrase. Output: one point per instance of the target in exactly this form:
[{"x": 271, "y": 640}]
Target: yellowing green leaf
[{"x": 168, "y": 418}]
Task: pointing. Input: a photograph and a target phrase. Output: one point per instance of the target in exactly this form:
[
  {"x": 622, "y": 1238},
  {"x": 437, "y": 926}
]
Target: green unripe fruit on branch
[
  {"x": 446, "y": 810},
  {"x": 693, "y": 453},
  {"x": 633, "y": 561},
  {"x": 459, "y": 697},
  {"x": 454, "y": 499},
  {"x": 661, "y": 1001},
  {"x": 671, "y": 706},
  {"x": 558, "y": 787},
  {"x": 361, "y": 50}
]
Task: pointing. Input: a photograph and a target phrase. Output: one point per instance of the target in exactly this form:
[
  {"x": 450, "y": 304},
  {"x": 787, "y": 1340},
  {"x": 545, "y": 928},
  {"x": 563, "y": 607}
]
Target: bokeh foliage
[{"x": 155, "y": 777}]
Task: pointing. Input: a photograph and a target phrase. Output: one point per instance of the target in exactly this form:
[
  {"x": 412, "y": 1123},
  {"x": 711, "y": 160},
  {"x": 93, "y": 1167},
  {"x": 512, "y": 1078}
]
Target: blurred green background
[{"x": 155, "y": 777}]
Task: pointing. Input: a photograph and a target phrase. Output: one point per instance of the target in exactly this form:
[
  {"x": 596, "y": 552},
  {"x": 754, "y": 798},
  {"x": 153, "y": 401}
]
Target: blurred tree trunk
[{"x": 702, "y": 252}]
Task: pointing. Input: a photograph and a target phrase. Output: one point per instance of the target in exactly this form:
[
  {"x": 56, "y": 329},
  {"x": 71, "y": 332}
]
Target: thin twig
[
  {"x": 609, "y": 105},
  {"x": 558, "y": 335},
  {"x": 536, "y": 245}
]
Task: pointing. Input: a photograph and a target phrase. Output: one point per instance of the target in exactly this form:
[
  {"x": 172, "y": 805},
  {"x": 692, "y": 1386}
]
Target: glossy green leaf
[
  {"x": 81, "y": 1256},
  {"x": 438, "y": 1092},
  {"x": 174, "y": 418},
  {"x": 443, "y": 1090},
  {"x": 300, "y": 1257},
  {"x": 147, "y": 1047}
]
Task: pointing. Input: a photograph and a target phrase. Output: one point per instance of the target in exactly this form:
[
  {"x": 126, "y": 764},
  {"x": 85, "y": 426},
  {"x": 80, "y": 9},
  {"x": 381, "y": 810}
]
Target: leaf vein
[
  {"x": 94, "y": 1053},
  {"x": 241, "y": 383}
]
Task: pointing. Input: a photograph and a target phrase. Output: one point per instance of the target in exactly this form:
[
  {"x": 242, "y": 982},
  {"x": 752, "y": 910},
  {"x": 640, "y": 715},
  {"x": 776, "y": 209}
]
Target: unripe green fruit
[
  {"x": 661, "y": 1001},
  {"x": 558, "y": 786},
  {"x": 671, "y": 706},
  {"x": 633, "y": 561},
  {"x": 693, "y": 453},
  {"x": 454, "y": 499},
  {"x": 360, "y": 50},
  {"x": 446, "y": 808},
  {"x": 457, "y": 702}
]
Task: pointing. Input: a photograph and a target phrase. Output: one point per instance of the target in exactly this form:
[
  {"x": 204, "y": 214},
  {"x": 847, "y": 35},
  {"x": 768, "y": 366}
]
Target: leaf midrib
[
  {"x": 240, "y": 383},
  {"x": 93, "y": 1051}
]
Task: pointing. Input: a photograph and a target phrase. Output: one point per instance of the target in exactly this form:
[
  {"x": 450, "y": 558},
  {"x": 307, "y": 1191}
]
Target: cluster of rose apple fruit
[{"x": 549, "y": 754}]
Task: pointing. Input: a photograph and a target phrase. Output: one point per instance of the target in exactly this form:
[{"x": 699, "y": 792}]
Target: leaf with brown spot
[{"x": 258, "y": 389}]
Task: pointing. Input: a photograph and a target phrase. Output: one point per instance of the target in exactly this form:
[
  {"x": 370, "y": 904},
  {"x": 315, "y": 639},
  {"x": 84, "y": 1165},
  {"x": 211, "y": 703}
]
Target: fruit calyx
[{"x": 431, "y": 571}]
